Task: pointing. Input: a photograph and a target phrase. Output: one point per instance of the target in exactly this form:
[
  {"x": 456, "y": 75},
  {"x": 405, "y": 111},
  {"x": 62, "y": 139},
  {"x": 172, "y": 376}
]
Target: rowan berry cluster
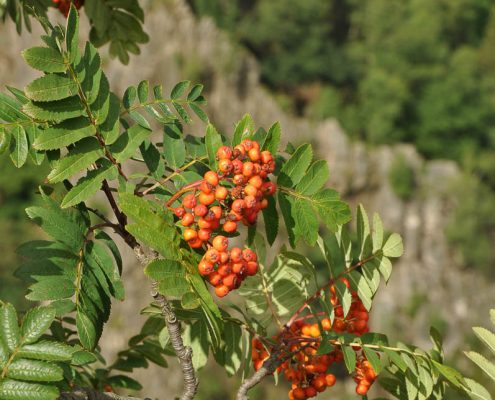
[
  {"x": 235, "y": 194},
  {"x": 64, "y": 5},
  {"x": 304, "y": 368}
]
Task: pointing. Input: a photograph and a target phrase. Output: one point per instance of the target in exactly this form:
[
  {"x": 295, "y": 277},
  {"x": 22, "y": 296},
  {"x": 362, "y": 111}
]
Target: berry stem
[{"x": 185, "y": 189}]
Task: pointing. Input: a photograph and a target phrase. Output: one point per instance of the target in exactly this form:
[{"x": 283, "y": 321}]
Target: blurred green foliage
[
  {"x": 419, "y": 71},
  {"x": 17, "y": 191},
  {"x": 402, "y": 178}
]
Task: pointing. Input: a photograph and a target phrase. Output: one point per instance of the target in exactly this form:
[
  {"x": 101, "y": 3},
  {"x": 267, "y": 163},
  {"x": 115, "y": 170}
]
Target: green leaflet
[
  {"x": 393, "y": 246},
  {"x": 89, "y": 185},
  {"x": 232, "y": 335},
  {"x": 128, "y": 143},
  {"x": 306, "y": 221},
  {"x": 295, "y": 168},
  {"x": 85, "y": 154},
  {"x": 174, "y": 150},
  {"x": 51, "y": 87},
  {"x": 55, "y": 110},
  {"x": 9, "y": 326},
  {"x": 196, "y": 336},
  {"x": 51, "y": 288},
  {"x": 18, "y": 146},
  {"x": 86, "y": 330},
  {"x": 64, "y": 134},
  {"x": 314, "y": 179},
  {"x": 272, "y": 139},
  {"x": 243, "y": 129},
  {"x": 98, "y": 257},
  {"x": 271, "y": 218},
  {"x": 213, "y": 141},
  {"x": 72, "y": 33},
  {"x": 15, "y": 390},
  {"x": 178, "y": 90},
  {"x": 44, "y": 59},
  {"x": 34, "y": 371},
  {"x": 47, "y": 350},
  {"x": 36, "y": 321}
]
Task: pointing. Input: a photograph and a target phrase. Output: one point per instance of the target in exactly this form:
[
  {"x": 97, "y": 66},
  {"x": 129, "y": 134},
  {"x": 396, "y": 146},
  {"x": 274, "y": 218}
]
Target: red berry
[
  {"x": 205, "y": 268},
  {"x": 224, "y": 152},
  {"x": 179, "y": 212},
  {"x": 230, "y": 226},
  {"x": 220, "y": 243},
  {"x": 187, "y": 219},
  {"x": 190, "y": 234},
  {"x": 189, "y": 201},
  {"x": 221, "y": 193},
  {"x": 212, "y": 178},
  {"x": 266, "y": 157},
  {"x": 204, "y": 234},
  {"x": 254, "y": 155},
  {"x": 200, "y": 210},
  {"x": 236, "y": 254},
  {"x": 225, "y": 166},
  {"x": 221, "y": 291},
  {"x": 206, "y": 198}
]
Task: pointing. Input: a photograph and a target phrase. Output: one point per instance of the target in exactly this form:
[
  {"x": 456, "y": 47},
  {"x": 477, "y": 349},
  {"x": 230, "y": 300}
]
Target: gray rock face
[{"x": 183, "y": 48}]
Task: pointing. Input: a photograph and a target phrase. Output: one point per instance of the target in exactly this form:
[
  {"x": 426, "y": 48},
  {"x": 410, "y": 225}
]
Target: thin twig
[{"x": 268, "y": 368}]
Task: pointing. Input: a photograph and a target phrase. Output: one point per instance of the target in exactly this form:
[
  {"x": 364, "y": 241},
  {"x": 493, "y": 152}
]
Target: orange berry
[
  {"x": 200, "y": 210},
  {"x": 216, "y": 211},
  {"x": 205, "y": 187},
  {"x": 189, "y": 201},
  {"x": 221, "y": 193},
  {"x": 204, "y": 224},
  {"x": 224, "y": 270},
  {"x": 195, "y": 243},
  {"x": 254, "y": 155},
  {"x": 238, "y": 206},
  {"x": 239, "y": 180},
  {"x": 326, "y": 324},
  {"x": 299, "y": 393},
  {"x": 179, "y": 212},
  {"x": 237, "y": 166},
  {"x": 256, "y": 181},
  {"x": 230, "y": 281},
  {"x": 238, "y": 268},
  {"x": 310, "y": 391},
  {"x": 230, "y": 226},
  {"x": 330, "y": 379},
  {"x": 206, "y": 198},
  {"x": 224, "y": 152},
  {"x": 215, "y": 278},
  {"x": 249, "y": 255},
  {"x": 362, "y": 389},
  {"x": 250, "y": 201},
  {"x": 222, "y": 291},
  {"x": 223, "y": 258},
  {"x": 252, "y": 268},
  {"x": 221, "y": 243},
  {"x": 212, "y": 255},
  {"x": 239, "y": 151},
  {"x": 266, "y": 157},
  {"x": 248, "y": 144},
  {"x": 236, "y": 254},
  {"x": 190, "y": 234},
  {"x": 225, "y": 165},
  {"x": 205, "y": 268},
  {"x": 319, "y": 383},
  {"x": 211, "y": 177},
  {"x": 269, "y": 188},
  {"x": 204, "y": 234},
  {"x": 248, "y": 169},
  {"x": 250, "y": 190}
]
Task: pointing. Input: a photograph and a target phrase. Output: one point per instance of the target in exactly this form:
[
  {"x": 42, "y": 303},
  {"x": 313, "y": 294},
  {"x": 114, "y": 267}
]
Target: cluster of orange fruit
[
  {"x": 307, "y": 370},
  {"x": 221, "y": 200},
  {"x": 64, "y": 5}
]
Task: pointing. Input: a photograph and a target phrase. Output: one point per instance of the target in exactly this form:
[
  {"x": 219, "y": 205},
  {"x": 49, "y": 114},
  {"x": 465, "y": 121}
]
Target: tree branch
[
  {"x": 91, "y": 394},
  {"x": 268, "y": 368},
  {"x": 184, "y": 353}
]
